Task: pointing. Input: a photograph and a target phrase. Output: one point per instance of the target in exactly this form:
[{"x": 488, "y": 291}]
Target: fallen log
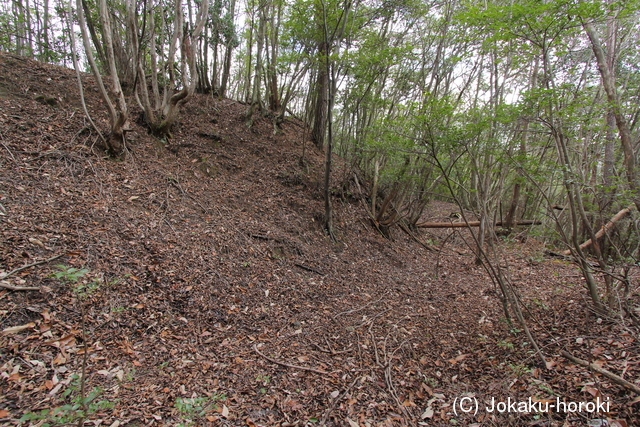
[
  {"x": 603, "y": 230},
  {"x": 472, "y": 224}
]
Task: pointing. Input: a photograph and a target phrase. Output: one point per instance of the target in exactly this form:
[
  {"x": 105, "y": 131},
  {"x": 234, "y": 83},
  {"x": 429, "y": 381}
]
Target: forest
[{"x": 458, "y": 133}]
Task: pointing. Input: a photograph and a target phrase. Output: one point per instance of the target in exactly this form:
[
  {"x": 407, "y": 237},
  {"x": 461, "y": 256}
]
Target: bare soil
[{"x": 214, "y": 274}]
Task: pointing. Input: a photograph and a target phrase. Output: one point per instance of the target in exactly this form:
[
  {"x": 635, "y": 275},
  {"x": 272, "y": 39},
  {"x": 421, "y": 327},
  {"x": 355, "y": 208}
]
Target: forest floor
[{"x": 212, "y": 273}]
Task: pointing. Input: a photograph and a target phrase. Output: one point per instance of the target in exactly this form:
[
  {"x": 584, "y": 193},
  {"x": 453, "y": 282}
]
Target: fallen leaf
[
  {"x": 458, "y": 359},
  {"x": 16, "y": 329},
  {"x": 592, "y": 391},
  {"x": 352, "y": 423},
  {"x": 225, "y": 411},
  {"x": 3, "y": 413},
  {"x": 60, "y": 359},
  {"x": 428, "y": 413},
  {"x": 36, "y": 242}
]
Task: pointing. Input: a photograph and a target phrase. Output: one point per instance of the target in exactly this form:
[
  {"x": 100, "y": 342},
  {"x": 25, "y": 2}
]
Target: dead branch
[
  {"x": 613, "y": 377},
  {"x": 277, "y": 362},
  {"x": 358, "y": 309},
  {"x": 307, "y": 268},
  {"x": 325, "y": 417},
  {"x": 603, "y": 230},
  {"x": 9, "y": 286},
  {"x": 404, "y": 228},
  {"x": 472, "y": 224},
  {"x": 24, "y": 267}
]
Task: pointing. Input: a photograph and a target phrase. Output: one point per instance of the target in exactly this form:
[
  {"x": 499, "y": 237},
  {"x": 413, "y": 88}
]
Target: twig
[
  {"x": 330, "y": 349},
  {"x": 404, "y": 228},
  {"x": 358, "y": 309},
  {"x": 311, "y": 269},
  {"x": 19, "y": 269},
  {"x": 277, "y": 362},
  {"x": 18, "y": 288},
  {"x": 323, "y": 421},
  {"x": 5, "y": 146},
  {"x": 613, "y": 377}
]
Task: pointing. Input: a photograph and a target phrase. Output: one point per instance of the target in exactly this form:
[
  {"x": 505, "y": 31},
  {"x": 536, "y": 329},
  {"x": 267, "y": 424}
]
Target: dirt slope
[{"x": 214, "y": 274}]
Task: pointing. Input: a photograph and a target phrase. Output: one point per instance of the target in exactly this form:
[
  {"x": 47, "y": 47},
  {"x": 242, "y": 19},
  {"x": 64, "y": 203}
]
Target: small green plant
[
  {"x": 130, "y": 375},
  {"x": 540, "y": 304},
  {"x": 519, "y": 370},
  {"x": 82, "y": 404},
  {"x": 546, "y": 388},
  {"x": 431, "y": 382},
  {"x": 506, "y": 344},
  {"x": 537, "y": 258},
  {"x": 265, "y": 380},
  {"x": 76, "y": 411},
  {"x": 194, "y": 409},
  {"x": 69, "y": 274},
  {"x": 246, "y": 264}
]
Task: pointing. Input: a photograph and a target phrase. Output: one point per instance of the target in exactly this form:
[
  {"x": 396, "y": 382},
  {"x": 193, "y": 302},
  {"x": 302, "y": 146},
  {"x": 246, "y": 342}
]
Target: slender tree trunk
[
  {"x": 21, "y": 31},
  {"x": 609, "y": 84},
  {"x": 318, "y": 133},
  {"x": 256, "y": 98},
  {"x": 45, "y": 32},
  {"x": 247, "y": 85},
  {"x": 607, "y": 171},
  {"x": 227, "y": 56},
  {"x": 522, "y": 153},
  {"x": 29, "y": 29},
  {"x": 94, "y": 36},
  {"x": 117, "y": 126}
]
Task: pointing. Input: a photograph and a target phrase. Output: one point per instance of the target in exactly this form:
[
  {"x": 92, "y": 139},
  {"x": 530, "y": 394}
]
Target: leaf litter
[{"x": 221, "y": 301}]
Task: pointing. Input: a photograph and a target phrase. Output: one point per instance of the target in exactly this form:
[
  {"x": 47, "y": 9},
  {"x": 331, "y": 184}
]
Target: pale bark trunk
[
  {"x": 226, "y": 68},
  {"x": 608, "y": 82}
]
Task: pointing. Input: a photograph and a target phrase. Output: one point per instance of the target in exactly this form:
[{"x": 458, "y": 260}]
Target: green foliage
[
  {"x": 506, "y": 345},
  {"x": 77, "y": 409},
  {"x": 72, "y": 276},
  {"x": 519, "y": 370},
  {"x": 69, "y": 274},
  {"x": 193, "y": 410}
]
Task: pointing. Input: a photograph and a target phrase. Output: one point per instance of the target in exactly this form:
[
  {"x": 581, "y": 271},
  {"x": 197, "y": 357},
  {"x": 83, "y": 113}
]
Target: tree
[
  {"x": 161, "y": 114},
  {"x": 117, "y": 109}
]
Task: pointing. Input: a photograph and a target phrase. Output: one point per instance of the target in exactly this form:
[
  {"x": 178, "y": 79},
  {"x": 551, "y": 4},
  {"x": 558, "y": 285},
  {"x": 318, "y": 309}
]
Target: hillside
[{"x": 214, "y": 274}]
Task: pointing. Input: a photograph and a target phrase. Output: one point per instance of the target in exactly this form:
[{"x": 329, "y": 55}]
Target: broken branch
[
  {"x": 9, "y": 286},
  {"x": 604, "y": 229},
  {"x": 24, "y": 267},
  {"x": 472, "y": 224},
  {"x": 613, "y": 377},
  {"x": 277, "y": 362}
]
